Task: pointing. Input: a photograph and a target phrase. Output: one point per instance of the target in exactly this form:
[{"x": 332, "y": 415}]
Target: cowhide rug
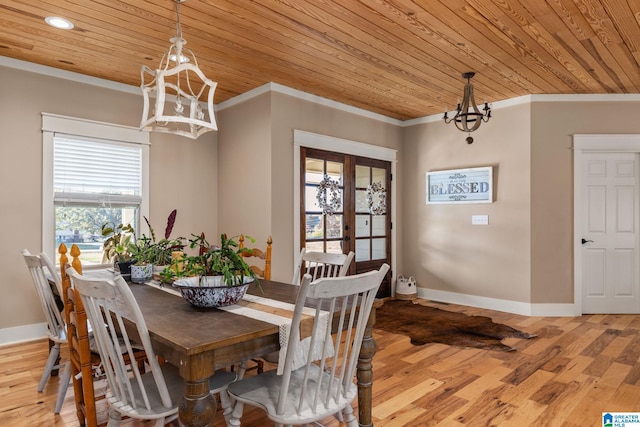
[{"x": 424, "y": 324}]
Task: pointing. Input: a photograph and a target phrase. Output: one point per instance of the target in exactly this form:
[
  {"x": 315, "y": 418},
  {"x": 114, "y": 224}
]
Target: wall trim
[
  {"x": 24, "y": 333},
  {"x": 507, "y": 306},
  {"x": 68, "y": 75},
  {"x": 529, "y": 99},
  {"x": 54, "y": 123},
  {"x": 305, "y": 96},
  {"x": 276, "y": 87},
  {"x": 37, "y": 331},
  {"x": 339, "y": 145}
]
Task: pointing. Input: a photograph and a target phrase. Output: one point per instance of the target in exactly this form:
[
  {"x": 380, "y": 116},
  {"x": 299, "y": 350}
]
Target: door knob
[{"x": 586, "y": 241}]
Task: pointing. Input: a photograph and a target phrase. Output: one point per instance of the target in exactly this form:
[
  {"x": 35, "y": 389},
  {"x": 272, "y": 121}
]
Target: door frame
[
  {"x": 344, "y": 146},
  {"x": 591, "y": 143}
]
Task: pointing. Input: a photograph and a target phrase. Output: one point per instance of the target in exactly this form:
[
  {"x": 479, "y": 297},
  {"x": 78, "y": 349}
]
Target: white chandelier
[
  {"x": 468, "y": 116},
  {"x": 177, "y": 91}
]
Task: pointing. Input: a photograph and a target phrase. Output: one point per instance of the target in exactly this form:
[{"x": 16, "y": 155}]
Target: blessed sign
[{"x": 460, "y": 186}]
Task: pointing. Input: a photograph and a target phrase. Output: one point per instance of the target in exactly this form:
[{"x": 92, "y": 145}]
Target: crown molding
[
  {"x": 276, "y": 87},
  {"x": 285, "y": 90},
  {"x": 67, "y": 75}
]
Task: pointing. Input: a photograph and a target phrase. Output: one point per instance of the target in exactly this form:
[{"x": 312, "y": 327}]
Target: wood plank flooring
[{"x": 573, "y": 371}]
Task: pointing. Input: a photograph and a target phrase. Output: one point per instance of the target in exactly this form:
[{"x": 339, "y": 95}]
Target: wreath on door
[
  {"x": 328, "y": 196},
  {"x": 377, "y": 199}
]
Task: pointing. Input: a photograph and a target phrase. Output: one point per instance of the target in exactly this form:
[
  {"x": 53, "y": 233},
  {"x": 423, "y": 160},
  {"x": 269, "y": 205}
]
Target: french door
[{"x": 345, "y": 206}]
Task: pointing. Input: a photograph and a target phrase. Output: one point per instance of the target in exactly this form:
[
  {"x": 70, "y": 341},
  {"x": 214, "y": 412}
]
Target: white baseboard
[
  {"x": 39, "y": 330},
  {"x": 515, "y": 307},
  {"x": 23, "y": 333}
]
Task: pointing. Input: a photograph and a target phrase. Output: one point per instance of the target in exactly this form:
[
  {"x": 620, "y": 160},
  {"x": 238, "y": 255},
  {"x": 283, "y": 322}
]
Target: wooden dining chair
[
  {"x": 322, "y": 383},
  {"x": 85, "y": 362},
  {"x": 40, "y": 266},
  {"x": 131, "y": 392},
  {"x": 263, "y": 271}
]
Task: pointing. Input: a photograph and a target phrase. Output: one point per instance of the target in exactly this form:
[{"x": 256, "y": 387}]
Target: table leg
[
  {"x": 364, "y": 373},
  {"x": 198, "y": 407}
]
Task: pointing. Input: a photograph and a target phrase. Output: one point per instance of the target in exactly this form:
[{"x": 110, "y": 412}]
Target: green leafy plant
[
  {"x": 220, "y": 260},
  {"x": 118, "y": 241},
  {"x": 143, "y": 251},
  {"x": 158, "y": 252}
]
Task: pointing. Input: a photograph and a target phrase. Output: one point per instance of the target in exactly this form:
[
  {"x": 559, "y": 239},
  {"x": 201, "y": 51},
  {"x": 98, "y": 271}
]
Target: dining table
[{"x": 200, "y": 341}]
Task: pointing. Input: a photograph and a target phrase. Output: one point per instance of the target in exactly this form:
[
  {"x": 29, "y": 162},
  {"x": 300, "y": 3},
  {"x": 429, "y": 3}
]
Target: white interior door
[{"x": 610, "y": 279}]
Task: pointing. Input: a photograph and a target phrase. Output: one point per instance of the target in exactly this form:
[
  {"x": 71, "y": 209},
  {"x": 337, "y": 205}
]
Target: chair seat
[
  {"x": 253, "y": 390},
  {"x": 175, "y": 386}
]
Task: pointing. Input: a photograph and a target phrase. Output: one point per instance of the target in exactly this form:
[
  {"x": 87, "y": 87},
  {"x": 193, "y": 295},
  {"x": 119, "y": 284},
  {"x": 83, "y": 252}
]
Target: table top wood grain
[{"x": 191, "y": 337}]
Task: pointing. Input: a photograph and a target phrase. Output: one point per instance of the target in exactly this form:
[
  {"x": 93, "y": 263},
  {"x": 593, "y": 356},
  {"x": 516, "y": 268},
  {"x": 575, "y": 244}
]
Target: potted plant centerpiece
[
  {"x": 164, "y": 247},
  {"x": 143, "y": 253},
  {"x": 216, "y": 277},
  {"x": 117, "y": 245},
  {"x": 149, "y": 252}
]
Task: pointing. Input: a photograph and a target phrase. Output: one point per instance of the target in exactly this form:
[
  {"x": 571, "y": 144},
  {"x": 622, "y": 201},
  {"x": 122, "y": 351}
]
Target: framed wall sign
[{"x": 473, "y": 185}]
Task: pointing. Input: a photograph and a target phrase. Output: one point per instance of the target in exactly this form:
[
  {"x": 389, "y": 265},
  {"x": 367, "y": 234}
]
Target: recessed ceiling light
[{"x": 56, "y": 21}]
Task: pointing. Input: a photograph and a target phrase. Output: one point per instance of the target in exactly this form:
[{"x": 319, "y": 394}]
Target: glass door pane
[
  {"x": 372, "y": 217},
  {"x": 323, "y": 202},
  {"x": 371, "y": 187}
]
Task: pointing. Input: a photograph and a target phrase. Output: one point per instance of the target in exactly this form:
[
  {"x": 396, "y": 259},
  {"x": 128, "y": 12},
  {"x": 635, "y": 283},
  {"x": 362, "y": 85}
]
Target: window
[{"x": 89, "y": 181}]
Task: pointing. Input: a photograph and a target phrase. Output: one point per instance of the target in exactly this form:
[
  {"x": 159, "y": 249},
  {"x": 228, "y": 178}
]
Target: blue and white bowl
[{"x": 210, "y": 291}]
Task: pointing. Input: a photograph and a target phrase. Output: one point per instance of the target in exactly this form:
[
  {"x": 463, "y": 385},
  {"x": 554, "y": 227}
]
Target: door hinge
[
  {"x": 390, "y": 177},
  {"x": 390, "y": 226}
]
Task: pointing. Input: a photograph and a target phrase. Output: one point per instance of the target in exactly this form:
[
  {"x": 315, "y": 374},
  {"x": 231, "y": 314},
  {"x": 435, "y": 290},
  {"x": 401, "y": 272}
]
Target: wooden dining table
[{"x": 201, "y": 340}]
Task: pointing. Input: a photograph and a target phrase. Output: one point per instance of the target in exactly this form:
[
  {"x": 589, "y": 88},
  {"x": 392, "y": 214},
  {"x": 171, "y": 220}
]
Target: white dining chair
[
  {"x": 39, "y": 267},
  {"x": 317, "y": 265},
  {"x": 322, "y": 383},
  {"x": 321, "y": 264},
  {"x": 154, "y": 394}
]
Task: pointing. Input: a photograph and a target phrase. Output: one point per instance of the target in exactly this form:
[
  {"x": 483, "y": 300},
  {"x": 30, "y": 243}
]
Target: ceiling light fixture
[
  {"x": 57, "y": 22},
  {"x": 468, "y": 116},
  {"x": 177, "y": 108}
]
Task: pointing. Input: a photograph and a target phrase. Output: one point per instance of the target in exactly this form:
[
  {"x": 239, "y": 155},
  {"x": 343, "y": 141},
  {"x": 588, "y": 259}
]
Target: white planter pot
[{"x": 141, "y": 273}]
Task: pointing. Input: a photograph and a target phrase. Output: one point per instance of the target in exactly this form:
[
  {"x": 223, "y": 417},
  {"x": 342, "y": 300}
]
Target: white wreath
[
  {"x": 380, "y": 206},
  {"x": 331, "y": 204}
]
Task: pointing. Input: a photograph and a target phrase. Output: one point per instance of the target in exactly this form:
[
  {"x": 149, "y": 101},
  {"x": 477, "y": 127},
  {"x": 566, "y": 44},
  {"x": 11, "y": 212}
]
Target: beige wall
[
  {"x": 244, "y": 170},
  {"x": 288, "y": 114},
  {"x": 261, "y": 137},
  {"x": 240, "y": 180},
  {"x": 176, "y": 163},
  {"x": 526, "y": 252},
  {"x": 553, "y": 124},
  {"x": 442, "y": 250}
]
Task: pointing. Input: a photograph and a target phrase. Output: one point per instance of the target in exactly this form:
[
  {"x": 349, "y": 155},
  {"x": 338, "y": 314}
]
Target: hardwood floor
[{"x": 573, "y": 371}]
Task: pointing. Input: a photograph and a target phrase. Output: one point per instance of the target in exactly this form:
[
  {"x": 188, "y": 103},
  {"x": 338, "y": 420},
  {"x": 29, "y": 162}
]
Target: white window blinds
[{"x": 90, "y": 170}]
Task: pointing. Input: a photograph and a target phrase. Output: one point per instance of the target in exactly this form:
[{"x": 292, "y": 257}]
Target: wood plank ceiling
[{"x": 399, "y": 58}]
